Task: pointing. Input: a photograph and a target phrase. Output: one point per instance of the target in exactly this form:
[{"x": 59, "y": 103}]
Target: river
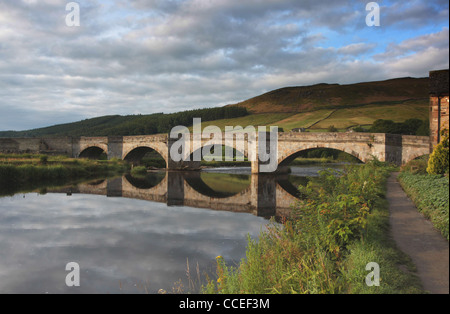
[{"x": 138, "y": 235}]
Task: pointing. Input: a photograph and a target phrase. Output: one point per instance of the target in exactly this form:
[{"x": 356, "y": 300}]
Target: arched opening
[
  {"x": 218, "y": 185},
  {"x": 147, "y": 157},
  {"x": 94, "y": 153},
  {"x": 319, "y": 156},
  {"x": 225, "y": 156}
]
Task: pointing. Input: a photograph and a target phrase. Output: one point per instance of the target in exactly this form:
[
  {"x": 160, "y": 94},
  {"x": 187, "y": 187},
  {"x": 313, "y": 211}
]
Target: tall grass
[{"x": 340, "y": 227}]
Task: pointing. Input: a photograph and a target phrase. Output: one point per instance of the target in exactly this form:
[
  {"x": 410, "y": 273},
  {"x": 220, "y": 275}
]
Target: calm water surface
[{"x": 133, "y": 235}]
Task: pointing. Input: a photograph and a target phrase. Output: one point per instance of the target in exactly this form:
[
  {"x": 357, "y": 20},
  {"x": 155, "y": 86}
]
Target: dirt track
[{"x": 417, "y": 237}]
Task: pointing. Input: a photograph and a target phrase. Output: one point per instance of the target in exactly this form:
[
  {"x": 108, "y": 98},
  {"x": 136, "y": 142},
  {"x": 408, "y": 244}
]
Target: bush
[
  {"x": 332, "y": 129},
  {"x": 438, "y": 163},
  {"x": 417, "y": 166}
]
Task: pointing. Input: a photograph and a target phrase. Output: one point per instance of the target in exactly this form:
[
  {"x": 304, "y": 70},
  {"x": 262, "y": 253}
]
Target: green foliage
[
  {"x": 417, "y": 166},
  {"x": 430, "y": 193},
  {"x": 337, "y": 205},
  {"x": 409, "y": 127},
  {"x": 328, "y": 153},
  {"x": 438, "y": 163},
  {"x": 324, "y": 247},
  {"x": 332, "y": 129}
]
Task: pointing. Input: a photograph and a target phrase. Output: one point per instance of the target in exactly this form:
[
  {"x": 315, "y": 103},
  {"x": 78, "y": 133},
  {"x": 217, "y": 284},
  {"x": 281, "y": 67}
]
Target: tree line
[{"x": 116, "y": 125}]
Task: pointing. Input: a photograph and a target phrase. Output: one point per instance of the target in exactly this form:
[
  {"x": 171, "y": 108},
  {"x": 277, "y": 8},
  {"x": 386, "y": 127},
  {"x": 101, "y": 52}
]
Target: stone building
[{"x": 439, "y": 101}]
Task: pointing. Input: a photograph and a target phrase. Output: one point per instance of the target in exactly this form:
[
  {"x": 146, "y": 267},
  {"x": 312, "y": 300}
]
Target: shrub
[
  {"x": 332, "y": 129},
  {"x": 417, "y": 166},
  {"x": 438, "y": 163}
]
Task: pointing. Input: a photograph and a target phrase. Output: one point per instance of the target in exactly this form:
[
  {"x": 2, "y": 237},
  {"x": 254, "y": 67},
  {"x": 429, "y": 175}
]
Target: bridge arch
[
  {"x": 135, "y": 153},
  {"x": 93, "y": 152},
  {"x": 288, "y": 157}
]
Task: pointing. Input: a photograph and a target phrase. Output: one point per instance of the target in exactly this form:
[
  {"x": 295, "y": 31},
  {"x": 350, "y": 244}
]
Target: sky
[{"x": 149, "y": 56}]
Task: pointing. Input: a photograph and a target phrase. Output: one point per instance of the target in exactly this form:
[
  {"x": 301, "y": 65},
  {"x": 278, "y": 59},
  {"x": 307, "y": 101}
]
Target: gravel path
[{"x": 417, "y": 237}]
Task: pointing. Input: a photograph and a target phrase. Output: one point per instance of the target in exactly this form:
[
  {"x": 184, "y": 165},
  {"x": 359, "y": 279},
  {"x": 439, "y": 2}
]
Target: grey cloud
[
  {"x": 151, "y": 56},
  {"x": 414, "y": 14}
]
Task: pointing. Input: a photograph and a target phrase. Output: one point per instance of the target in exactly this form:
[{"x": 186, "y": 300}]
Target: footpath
[{"x": 417, "y": 237}]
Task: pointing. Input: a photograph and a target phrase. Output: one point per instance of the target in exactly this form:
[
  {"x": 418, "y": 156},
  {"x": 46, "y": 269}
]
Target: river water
[{"x": 137, "y": 235}]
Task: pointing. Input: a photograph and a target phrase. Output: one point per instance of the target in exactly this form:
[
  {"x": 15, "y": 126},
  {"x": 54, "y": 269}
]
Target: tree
[{"x": 332, "y": 129}]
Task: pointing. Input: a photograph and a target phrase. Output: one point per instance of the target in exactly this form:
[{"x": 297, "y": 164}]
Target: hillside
[
  {"x": 334, "y": 96},
  {"x": 314, "y": 108}
]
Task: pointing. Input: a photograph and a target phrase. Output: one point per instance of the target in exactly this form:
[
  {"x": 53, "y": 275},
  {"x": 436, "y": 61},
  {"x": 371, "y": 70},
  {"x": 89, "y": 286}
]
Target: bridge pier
[{"x": 115, "y": 147}]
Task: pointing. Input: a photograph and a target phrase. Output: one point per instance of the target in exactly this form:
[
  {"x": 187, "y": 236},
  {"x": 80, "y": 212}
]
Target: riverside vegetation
[
  {"x": 27, "y": 171},
  {"x": 340, "y": 225}
]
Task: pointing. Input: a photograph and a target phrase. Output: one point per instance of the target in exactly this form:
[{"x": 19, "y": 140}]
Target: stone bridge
[
  {"x": 397, "y": 149},
  {"x": 266, "y": 196}
]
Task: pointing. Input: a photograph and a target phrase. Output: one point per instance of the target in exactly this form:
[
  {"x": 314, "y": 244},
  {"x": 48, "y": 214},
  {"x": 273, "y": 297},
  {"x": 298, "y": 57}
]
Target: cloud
[{"x": 131, "y": 57}]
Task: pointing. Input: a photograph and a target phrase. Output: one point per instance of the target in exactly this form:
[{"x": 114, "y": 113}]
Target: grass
[
  {"x": 430, "y": 193},
  {"x": 340, "y": 227},
  {"x": 22, "y": 171}
]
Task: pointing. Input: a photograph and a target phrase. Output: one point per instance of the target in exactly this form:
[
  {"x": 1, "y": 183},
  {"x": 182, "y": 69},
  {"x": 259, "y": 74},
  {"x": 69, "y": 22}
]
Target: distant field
[
  {"x": 342, "y": 119},
  {"x": 304, "y": 120},
  {"x": 345, "y": 118}
]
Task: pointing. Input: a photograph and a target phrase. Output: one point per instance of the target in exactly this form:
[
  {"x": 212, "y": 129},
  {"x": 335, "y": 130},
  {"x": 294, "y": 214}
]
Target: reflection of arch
[
  {"x": 136, "y": 154},
  {"x": 92, "y": 152},
  {"x": 196, "y": 182},
  {"x": 150, "y": 181},
  {"x": 295, "y": 154}
]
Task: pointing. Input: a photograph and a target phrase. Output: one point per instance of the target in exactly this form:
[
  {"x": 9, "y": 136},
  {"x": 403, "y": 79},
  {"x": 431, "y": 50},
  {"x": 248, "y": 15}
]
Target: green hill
[{"x": 314, "y": 108}]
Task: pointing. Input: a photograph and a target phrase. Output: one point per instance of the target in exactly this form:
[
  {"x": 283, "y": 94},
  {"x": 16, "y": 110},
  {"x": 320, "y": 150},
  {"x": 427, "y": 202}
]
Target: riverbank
[
  {"x": 28, "y": 171},
  {"x": 340, "y": 227}
]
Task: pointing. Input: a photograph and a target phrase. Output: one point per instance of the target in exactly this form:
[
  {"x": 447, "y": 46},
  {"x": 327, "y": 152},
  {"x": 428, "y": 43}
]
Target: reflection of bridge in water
[{"x": 266, "y": 196}]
